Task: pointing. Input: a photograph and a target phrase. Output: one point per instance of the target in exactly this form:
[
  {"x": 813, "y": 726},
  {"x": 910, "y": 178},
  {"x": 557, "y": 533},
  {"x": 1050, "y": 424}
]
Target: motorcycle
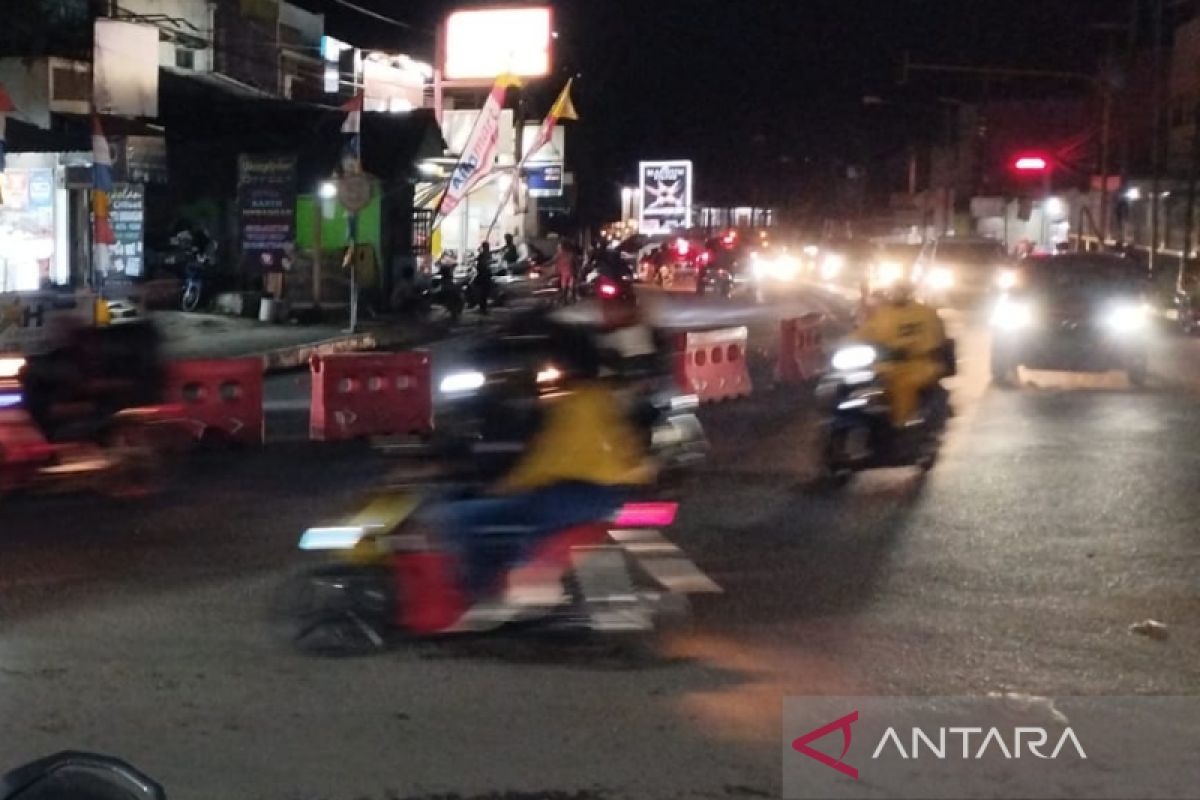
[
  {"x": 382, "y": 580},
  {"x": 492, "y": 405},
  {"x": 79, "y": 776},
  {"x": 89, "y": 415},
  {"x": 858, "y": 431},
  {"x": 194, "y": 259},
  {"x": 444, "y": 290}
]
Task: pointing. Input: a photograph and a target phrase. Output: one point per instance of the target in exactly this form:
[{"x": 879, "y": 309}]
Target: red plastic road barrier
[
  {"x": 712, "y": 364},
  {"x": 370, "y": 394},
  {"x": 220, "y": 397},
  {"x": 801, "y": 348}
]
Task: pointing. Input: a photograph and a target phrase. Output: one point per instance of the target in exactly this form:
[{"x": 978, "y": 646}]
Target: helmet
[{"x": 902, "y": 291}]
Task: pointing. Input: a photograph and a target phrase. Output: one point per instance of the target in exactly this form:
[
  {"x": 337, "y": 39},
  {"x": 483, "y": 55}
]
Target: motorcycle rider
[
  {"x": 578, "y": 468},
  {"x": 482, "y": 282},
  {"x": 913, "y": 339}
]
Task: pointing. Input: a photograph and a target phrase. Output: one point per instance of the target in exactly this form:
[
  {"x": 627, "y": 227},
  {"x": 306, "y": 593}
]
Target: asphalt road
[{"x": 1056, "y": 517}]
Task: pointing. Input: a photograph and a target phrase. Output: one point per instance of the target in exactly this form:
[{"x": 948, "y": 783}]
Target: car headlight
[
  {"x": 852, "y": 357},
  {"x": 1011, "y": 315},
  {"x": 549, "y": 374},
  {"x": 11, "y": 366},
  {"x": 811, "y": 250},
  {"x": 941, "y": 278},
  {"x": 1127, "y": 318},
  {"x": 832, "y": 266},
  {"x": 785, "y": 267},
  {"x": 1007, "y": 279},
  {"x": 459, "y": 382}
]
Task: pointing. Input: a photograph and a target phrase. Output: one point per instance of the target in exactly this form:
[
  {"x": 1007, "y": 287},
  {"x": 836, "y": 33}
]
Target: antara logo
[{"x": 943, "y": 743}]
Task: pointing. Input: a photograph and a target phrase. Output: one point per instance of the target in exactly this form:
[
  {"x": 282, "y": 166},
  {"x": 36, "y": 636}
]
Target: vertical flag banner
[
  {"x": 6, "y": 108},
  {"x": 479, "y": 155},
  {"x": 562, "y": 109},
  {"x": 102, "y": 184},
  {"x": 353, "y": 126}
]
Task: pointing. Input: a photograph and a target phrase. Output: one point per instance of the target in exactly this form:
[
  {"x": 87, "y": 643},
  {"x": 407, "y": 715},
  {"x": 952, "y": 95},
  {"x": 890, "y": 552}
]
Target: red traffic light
[{"x": 1030, "y": 163}]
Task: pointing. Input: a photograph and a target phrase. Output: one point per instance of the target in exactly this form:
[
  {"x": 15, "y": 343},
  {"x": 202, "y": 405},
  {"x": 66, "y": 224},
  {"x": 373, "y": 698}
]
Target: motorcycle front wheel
[
  {"x": 338, "y": 610},
  {"x": 191, "y": 297}
]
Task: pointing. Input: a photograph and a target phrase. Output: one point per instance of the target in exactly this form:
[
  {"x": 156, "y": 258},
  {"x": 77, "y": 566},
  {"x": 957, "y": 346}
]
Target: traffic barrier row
[
  {"x": 355, "y": 395},
  {"x": 712, "y": 364},
  {"x": 801, "y": 348},
  {"x": 220, "y": 399}
]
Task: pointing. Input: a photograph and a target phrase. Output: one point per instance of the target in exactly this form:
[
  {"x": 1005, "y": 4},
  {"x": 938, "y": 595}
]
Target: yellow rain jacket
[{"x": 915, "y": 332}]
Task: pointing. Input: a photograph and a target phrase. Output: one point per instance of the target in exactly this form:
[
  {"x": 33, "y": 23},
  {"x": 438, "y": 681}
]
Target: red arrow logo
[{"x": 800, "y": 745}]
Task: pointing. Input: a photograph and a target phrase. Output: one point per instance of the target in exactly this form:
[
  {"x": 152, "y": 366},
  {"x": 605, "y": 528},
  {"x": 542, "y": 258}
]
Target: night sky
[{"x": 765, "y": 95}]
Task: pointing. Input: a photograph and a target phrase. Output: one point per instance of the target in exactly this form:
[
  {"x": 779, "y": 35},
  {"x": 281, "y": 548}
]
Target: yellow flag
[
  {"x": 563, "y": 108},
  {"x": 508, "y": 80}
]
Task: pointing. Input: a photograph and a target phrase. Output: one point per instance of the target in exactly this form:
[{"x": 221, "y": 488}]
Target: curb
[{"x": 286, "y": 358}]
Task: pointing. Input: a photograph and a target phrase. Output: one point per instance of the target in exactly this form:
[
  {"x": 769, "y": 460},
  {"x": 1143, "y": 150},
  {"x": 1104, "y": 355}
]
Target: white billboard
[
  {"x": 125, "y": 75},
  {"x": 480, "y": 44},
  {"x": 666, "y": 192}
]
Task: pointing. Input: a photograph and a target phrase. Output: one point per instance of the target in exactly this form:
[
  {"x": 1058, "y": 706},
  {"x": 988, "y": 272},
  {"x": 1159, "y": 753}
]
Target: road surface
[{"x": 1056, "y": 517}]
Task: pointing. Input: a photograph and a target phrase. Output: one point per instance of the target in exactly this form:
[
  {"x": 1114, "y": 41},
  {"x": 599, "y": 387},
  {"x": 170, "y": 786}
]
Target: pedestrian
[
  {"x": 510, "y": 255},
  {"x": 483, "y": 276},
  {"x": 564, "y": 264}
]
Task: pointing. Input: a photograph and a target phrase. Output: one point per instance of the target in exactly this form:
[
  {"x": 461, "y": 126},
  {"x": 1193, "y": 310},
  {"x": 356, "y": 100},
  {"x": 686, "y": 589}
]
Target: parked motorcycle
[
  {"x": 383, "y": 580},
  {"x": 193, "y": 255},
  {"x": 858, "y": 431}
]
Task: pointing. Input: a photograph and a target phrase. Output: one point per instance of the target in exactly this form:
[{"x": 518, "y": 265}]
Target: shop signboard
[
  {"x": 267, "y": 206},
  {"x": 666, "y": 193},
  {"x": 127, "y": 212},
  {"x": 545, "y": 180}
]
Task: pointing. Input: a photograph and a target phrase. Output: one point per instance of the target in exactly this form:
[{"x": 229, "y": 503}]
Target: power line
[{"x": 375, "y": 14}]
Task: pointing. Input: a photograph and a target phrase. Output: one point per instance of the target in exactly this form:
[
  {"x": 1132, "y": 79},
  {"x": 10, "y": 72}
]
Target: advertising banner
[
  {"x": 125, "y": 76},
  {"x": 267, "y": 206},
  {"x": 127, "y": 212},
  {"x": 666, "y": 193}
]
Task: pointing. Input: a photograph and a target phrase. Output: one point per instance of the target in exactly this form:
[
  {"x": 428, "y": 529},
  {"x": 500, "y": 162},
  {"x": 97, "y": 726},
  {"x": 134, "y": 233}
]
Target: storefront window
[{"x": 28, "y": 239}]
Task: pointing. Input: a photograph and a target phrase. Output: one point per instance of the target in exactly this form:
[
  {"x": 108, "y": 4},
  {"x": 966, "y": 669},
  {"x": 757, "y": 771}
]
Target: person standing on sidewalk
[
  {"x": 510, "y": 255},
  {"x": 483, "y": 276}
]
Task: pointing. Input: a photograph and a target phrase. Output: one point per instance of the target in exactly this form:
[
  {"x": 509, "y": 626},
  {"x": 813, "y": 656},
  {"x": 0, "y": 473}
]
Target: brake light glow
[{"x": 608, "y": 289}]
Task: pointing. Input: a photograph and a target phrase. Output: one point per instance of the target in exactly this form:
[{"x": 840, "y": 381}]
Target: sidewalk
[{"x": 199, "y": 336}]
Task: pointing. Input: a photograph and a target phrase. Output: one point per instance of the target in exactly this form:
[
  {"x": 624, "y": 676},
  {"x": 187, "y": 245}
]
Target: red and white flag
[
  {"x": 353, "y": 107},
  {"x": 478, "y": 157}
]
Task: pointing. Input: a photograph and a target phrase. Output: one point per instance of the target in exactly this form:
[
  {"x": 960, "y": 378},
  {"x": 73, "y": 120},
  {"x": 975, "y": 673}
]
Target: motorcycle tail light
[{"x": 647, "y": 515}]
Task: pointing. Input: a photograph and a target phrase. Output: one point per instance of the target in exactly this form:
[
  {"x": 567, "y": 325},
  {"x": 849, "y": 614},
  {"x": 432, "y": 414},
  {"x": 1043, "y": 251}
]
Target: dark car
[{"x": 1078, "y": 312}]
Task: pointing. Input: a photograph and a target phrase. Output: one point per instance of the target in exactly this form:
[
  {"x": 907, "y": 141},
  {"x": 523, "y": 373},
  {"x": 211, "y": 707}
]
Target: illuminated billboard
[
  {"x": 666, "y": 193},
  {"x": 479, "y": 44}
]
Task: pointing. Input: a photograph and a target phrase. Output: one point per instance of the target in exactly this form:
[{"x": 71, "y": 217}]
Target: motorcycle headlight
[
  {"x": 853, "y": 357},
  {"x": 941, "y": 278},
  {"x": 459, "y": 382},
  {"x": 832, "y": 266},
  {"x": 1127, "y": 318},
  {"x": 889, "y": 273},
  {"x": 11, "y": 366},
  {"x": 549, "y": 374},
  {"x": 341, "y": 538}
]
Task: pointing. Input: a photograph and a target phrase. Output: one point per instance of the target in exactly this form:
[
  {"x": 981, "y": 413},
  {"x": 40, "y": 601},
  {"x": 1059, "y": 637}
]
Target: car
[
  {"x": 1075, "y": 312},
  {"x": 954, "y": 271}
]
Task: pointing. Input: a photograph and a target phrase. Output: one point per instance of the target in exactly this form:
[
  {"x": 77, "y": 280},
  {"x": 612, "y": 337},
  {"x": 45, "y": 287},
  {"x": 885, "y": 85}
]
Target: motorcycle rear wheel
[{"x": 337, "y": 610}]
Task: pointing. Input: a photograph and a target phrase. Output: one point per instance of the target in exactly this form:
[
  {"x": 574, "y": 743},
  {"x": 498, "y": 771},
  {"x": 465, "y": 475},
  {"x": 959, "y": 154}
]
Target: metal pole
[
  {"x": 1189, "y": 230},
  {"x": 1105, "y": 145},
  {"x": 318, "y": 221},
  {"x": 1156, "y": 154}
]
